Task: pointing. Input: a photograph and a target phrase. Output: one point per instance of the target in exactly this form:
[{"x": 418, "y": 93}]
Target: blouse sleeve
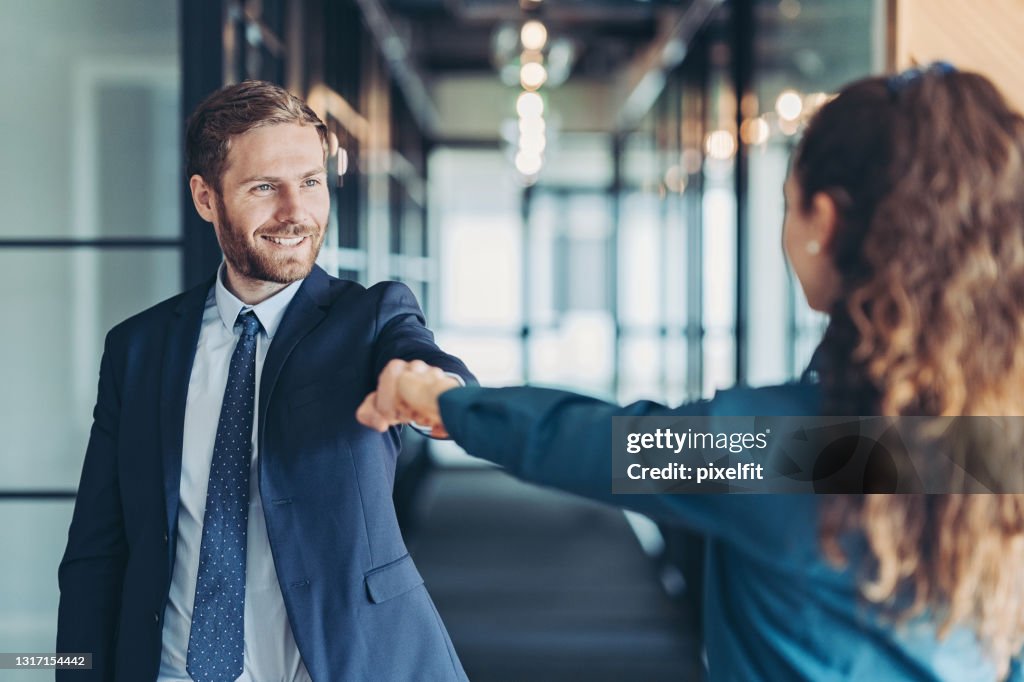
[{"x": 564, "y": 440}]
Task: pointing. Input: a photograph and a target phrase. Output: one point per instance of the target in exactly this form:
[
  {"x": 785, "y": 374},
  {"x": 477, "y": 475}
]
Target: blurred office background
[{"x": 615, "y": 229}]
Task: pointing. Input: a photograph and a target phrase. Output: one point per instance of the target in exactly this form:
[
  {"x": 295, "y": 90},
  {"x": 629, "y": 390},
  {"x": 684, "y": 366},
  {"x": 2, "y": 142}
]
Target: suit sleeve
[
  {"x": 564, "y": 440},
  {"x": 92, "y": 570},
  {"x": 402, "y": 333}
]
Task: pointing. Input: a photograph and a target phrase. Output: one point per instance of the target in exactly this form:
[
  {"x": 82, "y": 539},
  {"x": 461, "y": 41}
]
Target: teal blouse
[{"x": 774, "y": 609}]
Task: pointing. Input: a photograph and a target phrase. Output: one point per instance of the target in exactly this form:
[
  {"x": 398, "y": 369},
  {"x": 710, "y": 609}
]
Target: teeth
[{"x": 291, "y": 241}]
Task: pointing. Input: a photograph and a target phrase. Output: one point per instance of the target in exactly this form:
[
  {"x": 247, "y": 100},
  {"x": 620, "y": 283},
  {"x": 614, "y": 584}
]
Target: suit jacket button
[
  {"x": 165, "y": 537},
  {"x": 156, "y": 617}
]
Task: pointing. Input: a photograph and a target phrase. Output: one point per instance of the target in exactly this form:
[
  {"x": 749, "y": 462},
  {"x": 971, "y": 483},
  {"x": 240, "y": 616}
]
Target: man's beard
[{"x": 256, "y": 264}]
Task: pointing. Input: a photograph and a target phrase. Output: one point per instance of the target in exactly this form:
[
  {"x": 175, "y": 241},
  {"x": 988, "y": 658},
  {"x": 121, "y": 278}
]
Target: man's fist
[{"x": 407, "y": 392}]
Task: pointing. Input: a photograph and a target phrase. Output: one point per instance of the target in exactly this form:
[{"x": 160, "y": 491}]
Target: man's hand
[{"x": 407, "y": 392}]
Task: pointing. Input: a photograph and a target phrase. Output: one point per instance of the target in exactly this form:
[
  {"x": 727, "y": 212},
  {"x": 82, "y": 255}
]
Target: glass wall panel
[
  {"x": 680, "y": 192},
  {"x": 719, "y": 200},
  {"x": 586, "y": 234},
  {"x": 33, "y": 534},
  {"x": 543, "y": 231},
  {"x": 577, "y": 354},
  {"x": 92, "y": 151},
  {"x": 640, "y": 260},
  {"x": 719, "y": 285},
  {"x": 674, "y": 257},
  {"x": 90, "y": 130},
  {"x": 480, "y": 235},
  {"x": 475, "y": 211},
  {"x": 770, "y": 289},
  {"x": 641, "y": 368},
  {"x": 58, "y": 305},
  {"x": 675, "y": 355},
  {"x": 571, "y": 337},
  {"x": 802, "y": 53},
  {"x": 482, "y": 288},
  {"x": 719, "y": 369},
  {"x": 578, "y": 160},
  {"x": 495, "y": 359}
]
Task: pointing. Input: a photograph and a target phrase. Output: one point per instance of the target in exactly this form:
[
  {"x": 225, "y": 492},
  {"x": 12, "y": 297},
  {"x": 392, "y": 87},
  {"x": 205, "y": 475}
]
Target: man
[{"x": 233, "y": 520}]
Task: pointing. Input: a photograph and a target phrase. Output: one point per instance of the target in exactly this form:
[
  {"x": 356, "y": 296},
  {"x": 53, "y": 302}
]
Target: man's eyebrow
[{"x": 274, "y": 178}]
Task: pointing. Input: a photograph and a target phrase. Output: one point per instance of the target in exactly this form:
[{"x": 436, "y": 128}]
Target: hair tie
[{"x": 902, "y": 80}]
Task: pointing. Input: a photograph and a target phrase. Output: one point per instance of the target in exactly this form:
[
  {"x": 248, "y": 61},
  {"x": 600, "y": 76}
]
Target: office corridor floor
[{"x": 538, "y": 586}]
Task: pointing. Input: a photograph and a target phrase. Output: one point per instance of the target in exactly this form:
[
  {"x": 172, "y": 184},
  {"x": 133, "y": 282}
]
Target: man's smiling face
[{"x": 273, "y": 204}]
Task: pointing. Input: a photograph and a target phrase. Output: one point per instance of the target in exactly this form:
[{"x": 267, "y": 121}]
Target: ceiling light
[
  {"x": 532, "y": 75},
  {"x": 720, "y": 145},
  {"x": 533, "y": 35},
  {"x": 754, "y": 131},
  {"x": 529, "y": 105},
  {"x": 789, "y": 105},
  {"x": 528, "y": 164},
  {"x": 533, "y": 144},
  {"x": 532, "y": 125}
]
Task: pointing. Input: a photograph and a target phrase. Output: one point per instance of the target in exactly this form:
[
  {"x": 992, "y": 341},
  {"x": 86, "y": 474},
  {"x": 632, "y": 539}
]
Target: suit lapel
[
  {"x": 306, "y": 311},
  {"x": 179, "y": 353}
]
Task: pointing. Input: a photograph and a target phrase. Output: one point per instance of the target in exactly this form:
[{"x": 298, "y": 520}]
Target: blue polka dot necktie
[{"x": 216, "y": 640}]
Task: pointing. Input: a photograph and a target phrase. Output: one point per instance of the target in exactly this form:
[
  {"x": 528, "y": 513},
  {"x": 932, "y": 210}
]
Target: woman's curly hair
[{"x": 928, "y": 181}]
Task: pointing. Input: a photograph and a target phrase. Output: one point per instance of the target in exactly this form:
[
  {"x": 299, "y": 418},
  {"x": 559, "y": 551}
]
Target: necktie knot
[{"x": 250, "y": 323}]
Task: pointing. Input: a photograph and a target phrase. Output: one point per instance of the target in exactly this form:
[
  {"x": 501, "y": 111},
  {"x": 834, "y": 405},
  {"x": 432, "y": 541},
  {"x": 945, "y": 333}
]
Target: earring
[{"x": 813, "y": 247}]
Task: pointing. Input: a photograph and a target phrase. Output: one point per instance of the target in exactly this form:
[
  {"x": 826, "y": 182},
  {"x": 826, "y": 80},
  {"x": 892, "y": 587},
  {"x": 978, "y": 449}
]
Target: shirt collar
[{"x": 268, "y": 312}]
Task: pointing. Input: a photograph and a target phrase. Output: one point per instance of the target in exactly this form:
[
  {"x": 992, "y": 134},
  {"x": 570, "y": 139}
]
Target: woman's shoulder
[{"x": 792, "y": 399}]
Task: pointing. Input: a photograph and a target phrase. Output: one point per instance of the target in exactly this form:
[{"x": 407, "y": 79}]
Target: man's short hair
[{"x": 234, "y": 110}]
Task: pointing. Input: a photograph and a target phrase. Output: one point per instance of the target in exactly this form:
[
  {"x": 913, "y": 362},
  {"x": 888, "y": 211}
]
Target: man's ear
[
  {"x": 824, "y": 217},
  {"x": 203, "y": 197}
]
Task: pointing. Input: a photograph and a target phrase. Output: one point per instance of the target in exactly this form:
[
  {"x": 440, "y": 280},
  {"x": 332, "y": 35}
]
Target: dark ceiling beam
[
  {"x": 449, "y": 49},
  {"x": 561, "y": 14},
  {"x": 396, "y": 53},
  {"x": 644, "y": 78},
  {"x": 496, "y": 11}
]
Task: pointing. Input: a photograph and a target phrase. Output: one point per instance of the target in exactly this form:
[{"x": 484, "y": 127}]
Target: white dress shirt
[{"x": 270, "y": 651}]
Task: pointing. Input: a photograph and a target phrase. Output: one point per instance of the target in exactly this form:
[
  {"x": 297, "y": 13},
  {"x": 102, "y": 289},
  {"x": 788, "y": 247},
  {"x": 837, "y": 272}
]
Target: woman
[{"x": 905, "y": 222}]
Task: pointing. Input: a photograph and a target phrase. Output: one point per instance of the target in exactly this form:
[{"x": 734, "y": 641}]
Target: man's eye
[
  {"x": 312, "y": 182},
  {"x": 263, "y": 188}
]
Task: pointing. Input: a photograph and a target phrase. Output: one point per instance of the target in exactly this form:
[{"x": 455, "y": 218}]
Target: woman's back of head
[{"x": 926, "y": 172}]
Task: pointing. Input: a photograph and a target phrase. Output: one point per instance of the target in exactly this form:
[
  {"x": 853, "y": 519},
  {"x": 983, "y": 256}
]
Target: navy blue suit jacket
[{"x": 357, "y": 605}]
